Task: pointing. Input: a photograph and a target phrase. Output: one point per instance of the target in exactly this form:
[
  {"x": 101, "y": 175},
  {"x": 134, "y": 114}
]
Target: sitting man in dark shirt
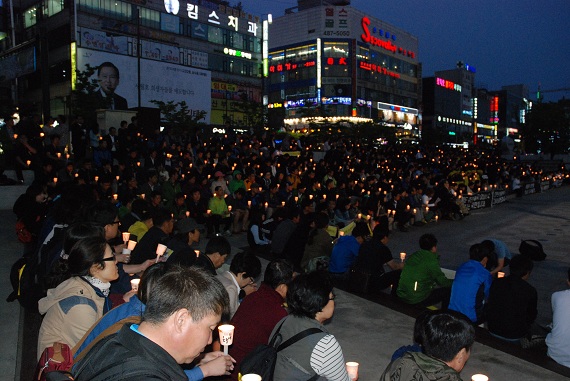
[{"x": 512, "y": 306}]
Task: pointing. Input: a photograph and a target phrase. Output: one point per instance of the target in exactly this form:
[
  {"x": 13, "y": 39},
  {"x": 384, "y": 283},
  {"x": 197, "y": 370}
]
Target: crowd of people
[{"x": 112, "y": 208}]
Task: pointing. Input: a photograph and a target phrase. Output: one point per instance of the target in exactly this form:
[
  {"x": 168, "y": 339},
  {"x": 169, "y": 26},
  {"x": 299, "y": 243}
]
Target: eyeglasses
[
  {"x": 109, "y": 259},
  {"x": 115, "y": 222}
]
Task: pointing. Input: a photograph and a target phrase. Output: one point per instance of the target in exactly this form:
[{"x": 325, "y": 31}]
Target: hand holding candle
[
  {"x": 135, "y": 284},
  {"x": 160, "y": 250}
]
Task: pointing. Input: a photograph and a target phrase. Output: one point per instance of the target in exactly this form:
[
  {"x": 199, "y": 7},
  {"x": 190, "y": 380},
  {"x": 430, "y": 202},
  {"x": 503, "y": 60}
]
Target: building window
[
  {"x": 150, "y": 18},
  {"x": 215, "y": 35},
  {"x": 51, "y": 7},
  {"x": 31, "y": 17}
]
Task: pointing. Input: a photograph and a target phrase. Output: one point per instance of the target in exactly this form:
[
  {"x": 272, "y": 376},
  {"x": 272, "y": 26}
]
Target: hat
[
  {"x": 186, "y": 225},
  {"x": 218, "y": 174}
]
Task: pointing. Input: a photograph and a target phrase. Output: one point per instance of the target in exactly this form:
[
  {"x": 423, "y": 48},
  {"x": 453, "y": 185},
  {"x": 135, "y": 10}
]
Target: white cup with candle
[
  {"x": 126, "y": 236},
  {"x": 160, "y": 250},
  {"x": 352, "y": 370},
  {"x": 131, "y": 245},
  {"x": 135, "y": 284},
  {"x": 500, "y": 274},
  {"x": 226, "y": 336},
  {"x": 402, "y": 256},
  {"x": 251, "y": 377},
  {"x": 479, "y": 377}
]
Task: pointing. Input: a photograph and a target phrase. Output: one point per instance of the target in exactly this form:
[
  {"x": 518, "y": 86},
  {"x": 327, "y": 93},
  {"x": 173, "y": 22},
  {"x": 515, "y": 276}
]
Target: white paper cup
[
  {"x": 126, "y": 251},
  {"x": 131, "y": 245},
  {"x": 161, "y": 249},
  {"x": 500, "y": 274},
  {"x": 251, "y": 377},
  {"x": 226, "y": 334},
  {"x": 479, "y": 377},
  {"x": 126, "y": 236},
  {"x": 402, "y": 257},
  {"x": 135, "y": 284},
  {"x": 352, "y": 370}
]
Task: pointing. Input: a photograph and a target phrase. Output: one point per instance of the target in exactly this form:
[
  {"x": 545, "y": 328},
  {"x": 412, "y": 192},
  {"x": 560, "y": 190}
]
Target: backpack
[
  {"x": 22, "y": 232},
  {"x": 24, "y": 286},
  {"x": 532, "y": 249},
  {"x": 55, "y": 363},
  {"x": 262, "y": 359}
]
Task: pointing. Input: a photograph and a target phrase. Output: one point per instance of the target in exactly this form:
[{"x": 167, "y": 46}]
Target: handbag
[
  {"x": 359, "y": 281},
  {"x": 57, "y": 358},
  {"x": 22, "y": 232}
]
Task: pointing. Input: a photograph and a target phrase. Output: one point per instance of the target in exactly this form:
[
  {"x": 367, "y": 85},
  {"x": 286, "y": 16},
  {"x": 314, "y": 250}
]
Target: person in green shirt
[
  {"x": 236, "y": 182},
  {"x": 422, "y": 282},
  {"x": 219, "y": 213}
]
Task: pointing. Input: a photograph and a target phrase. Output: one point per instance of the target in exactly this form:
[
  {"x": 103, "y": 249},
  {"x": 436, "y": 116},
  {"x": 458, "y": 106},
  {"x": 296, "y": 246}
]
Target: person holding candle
[
  {"x": 319, "y": 245},
  {"x": 311, "y": 302},
  {"x": 182, "y": 309},
  {"x": 447, "y": 338},
  {"x": 215, "y": 255},
  {"x": 344, "y": 253},
  {"x": 422, "y": 274},
  {"x": 82, "y": 298},
  {"x": 163, "y": 225},
  {"x": 219, "y": 213},
  {"x": 471, "y": 285},
  {"x": 187, "y": 234},
  {"x": 500, "y": 254},
  {"x": 372, "y": 256},
  {"x": 240, "y": 211}
]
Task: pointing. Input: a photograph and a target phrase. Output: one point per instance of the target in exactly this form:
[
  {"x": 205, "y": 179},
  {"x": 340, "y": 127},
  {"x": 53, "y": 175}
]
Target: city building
[
  {"x": 202, "y": 52},
  {"x": 329, "y": 62}
]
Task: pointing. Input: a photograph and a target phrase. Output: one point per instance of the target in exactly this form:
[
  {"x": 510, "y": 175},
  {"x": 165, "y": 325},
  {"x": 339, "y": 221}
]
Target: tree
[
  {"x": 547, "y": 128},
  {"x": 84, "y": 99},
  {"x": 177, "y": 117}
]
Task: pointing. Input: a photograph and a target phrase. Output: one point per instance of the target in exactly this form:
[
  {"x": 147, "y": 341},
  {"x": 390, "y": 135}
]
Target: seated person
[
  {"x": 182, "y": 310},
  {"x": 186, "y": 235},
  {"x": 558, "y": 340},
  {"x": 163, "y": 224},
  {"x": 216, "y": 252},
  {"x": 500, "y": 254},
  {"x": 512, "y": 306},
  {"x": 219, "y": 214},
  {"x": 260, "y": 311},
  {"x": 245, "y": 267},
  {"x": 372, "y": 257},
  {"x": 344, "y": 253},
  {"x": 471, "y": 285},
  {"x": 421, "y": 274},
  {"x": 418, "y": 337},
  {"x": 447, "y": 338}
]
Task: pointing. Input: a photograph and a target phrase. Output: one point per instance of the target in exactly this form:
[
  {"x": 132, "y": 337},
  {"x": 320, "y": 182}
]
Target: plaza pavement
[{"x": 370, "y": 331}]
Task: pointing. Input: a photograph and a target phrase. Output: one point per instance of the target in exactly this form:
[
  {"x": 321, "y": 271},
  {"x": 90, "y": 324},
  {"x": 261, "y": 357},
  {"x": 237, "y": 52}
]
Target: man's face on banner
[{"x": 108, "y": 80}]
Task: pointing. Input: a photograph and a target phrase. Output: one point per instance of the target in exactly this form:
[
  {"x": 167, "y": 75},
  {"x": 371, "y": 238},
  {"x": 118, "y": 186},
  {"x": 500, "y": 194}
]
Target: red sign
[
  {"x": 291, "y": 66},
  {"x": 336, "y": 61},
  {"x": 379, "y": 69},
  {"x": 385, "y": 44}
]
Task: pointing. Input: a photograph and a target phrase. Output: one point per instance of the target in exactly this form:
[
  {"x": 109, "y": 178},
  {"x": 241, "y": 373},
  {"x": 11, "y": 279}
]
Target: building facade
[
  {"x": 197, "y": 51},
  {"x": 336, "y": 63}
]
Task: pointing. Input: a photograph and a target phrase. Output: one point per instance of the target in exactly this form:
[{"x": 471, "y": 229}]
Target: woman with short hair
[{"x": 310, "y": 299}]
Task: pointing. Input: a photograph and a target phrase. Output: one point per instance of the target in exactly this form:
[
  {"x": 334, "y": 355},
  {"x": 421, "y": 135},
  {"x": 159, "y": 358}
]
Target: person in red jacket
[{"x": 260, "y": 311}]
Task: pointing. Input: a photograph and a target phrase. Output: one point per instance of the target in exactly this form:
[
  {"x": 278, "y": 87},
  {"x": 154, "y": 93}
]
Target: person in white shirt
[{"x": 558, "y": 340}]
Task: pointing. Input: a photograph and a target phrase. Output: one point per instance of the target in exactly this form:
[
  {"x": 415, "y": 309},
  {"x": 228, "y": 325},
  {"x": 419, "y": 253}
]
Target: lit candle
[
  {"x": 352, "y": 370},
  {"x": 500, "y": 274},
  {"x": 359, "y": 215},
  {"x": 131, "y": 245},
  {"x": 135, "y": 284},
  {"x": 142, "y": 195},
  {"x": 115, "y": 196},
  {"x": 28, "y": 162},
  {"x": 126, "y": 236},
  {"x": 249, "y": 204},
  {"x": 160, "y": 250},
  {"x": 197, "y": 253},
  {"x": 187, "y": 214},
  {"x": 208, "y": 211},
  {"x": 226, "y": 336},
  {"x": 96, "y": 178},
  {"x": 55, "y": 180},
  {"x": 403, "y": 257},
  {"x": 229, "y": 208},
  {"x": 479, "y": 377}
]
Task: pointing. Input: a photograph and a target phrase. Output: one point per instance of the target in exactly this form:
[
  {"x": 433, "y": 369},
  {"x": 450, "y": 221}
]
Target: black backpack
[
  {"x": 24, "y": 286},
  {"x": 532, "y": 249},
  {"x": 262, "y": 359}
]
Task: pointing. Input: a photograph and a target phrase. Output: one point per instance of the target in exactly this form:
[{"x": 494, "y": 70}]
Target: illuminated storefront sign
[
  {"x": 389, "y": 106},
  {"x": 291, "y": 66},
  {"x": 336, "y": 61},
  {"x": 384, "y": 44},
  {"x": 213, "y": 18},
  {"x": 447, "y": 84},
  {"x": 275, "y": 105},
  {"x": 494, "y": 110},
  {"x": 301, "y": 103},
  {"x": 337, "y": 100},
  {"x": 376, "y": 68},
  {"x": 237, "y": 53}
]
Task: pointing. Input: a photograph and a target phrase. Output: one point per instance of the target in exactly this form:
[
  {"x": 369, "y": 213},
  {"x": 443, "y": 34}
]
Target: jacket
[
  {"x": 134, "y": 357},
  {"x": 321, "y": 246},
  {"x": 70, "y": 310},
  {"x": 420, "y": 276},
  {"x": 416, "y": 366}
]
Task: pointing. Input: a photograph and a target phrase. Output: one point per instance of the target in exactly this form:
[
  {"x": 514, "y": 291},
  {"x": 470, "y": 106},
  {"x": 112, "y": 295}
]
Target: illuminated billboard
[{"x": 158, "y": 81}]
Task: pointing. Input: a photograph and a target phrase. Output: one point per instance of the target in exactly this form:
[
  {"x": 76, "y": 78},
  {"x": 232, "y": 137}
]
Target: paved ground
[{"x": 369, "y": 332}]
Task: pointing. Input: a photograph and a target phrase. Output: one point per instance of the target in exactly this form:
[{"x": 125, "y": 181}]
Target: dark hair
[
  {"x": 361, "y": 230},
  {"x": 279, "y": 271},
  {"x": 321, "y": 222},
  {"x": 308, "y": 294},
  {"x": 489, "y": 245},
  {"x": 139, "y": 207},
  {"x": 478, "y": 252},
  {"x": 218, "y": 245},
  {"x": 85, "y": 253},
  {"x": 79, "y": 231},
  {"x": 247, "y": 263},
  {"x": 427, "y": 241},
  {"x": 446, "y": 333},
  {"x": 101, "y": 213},
  {"x": 520, "y": 265},
  {"x": 380, "y": 232},
  {"x": 160, "y": 216},
  {"x": 185, "y": 287},
  {"x": 419, "y": 326},
  {"x": 108, "y": 64},
  {"x": 149, "y": 278}
]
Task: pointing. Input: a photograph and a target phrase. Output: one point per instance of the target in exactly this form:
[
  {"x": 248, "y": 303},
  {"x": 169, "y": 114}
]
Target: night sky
[{"x": 508, "y": 42}]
